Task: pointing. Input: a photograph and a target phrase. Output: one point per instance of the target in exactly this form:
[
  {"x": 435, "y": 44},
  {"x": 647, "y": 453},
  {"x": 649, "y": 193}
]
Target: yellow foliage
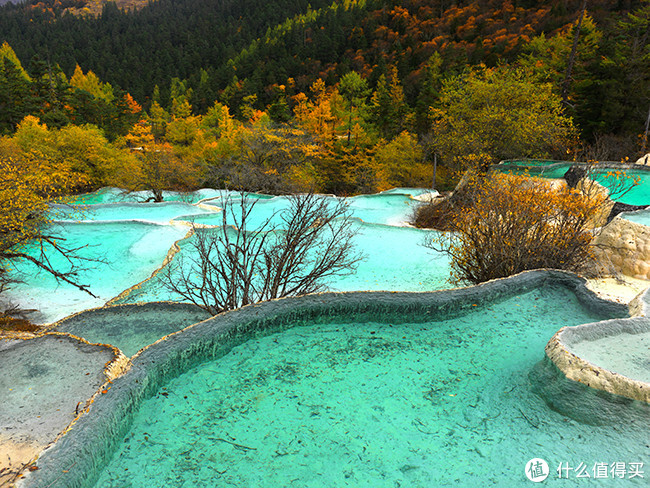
[
  {"x": 488, "y": 115},
  {"x": 90, "y": 83},
  {"x": 504, "y": 224},
  {"x": 26, "y": 185},
  {"x": 157, "y": 166},
  {"x": 7, "y": 53},
  {"x": 323, "y": 116},
  {"x": 84, "y": 149},
  {"x": 400, "y": 163}
]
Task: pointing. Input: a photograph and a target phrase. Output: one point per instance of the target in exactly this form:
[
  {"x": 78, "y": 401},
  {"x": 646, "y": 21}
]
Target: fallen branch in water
[{"x": 238, "y": 446}]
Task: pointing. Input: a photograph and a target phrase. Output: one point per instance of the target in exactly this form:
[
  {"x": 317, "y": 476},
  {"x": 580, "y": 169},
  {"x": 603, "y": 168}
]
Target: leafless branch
[{"x": 290, "y": 253}]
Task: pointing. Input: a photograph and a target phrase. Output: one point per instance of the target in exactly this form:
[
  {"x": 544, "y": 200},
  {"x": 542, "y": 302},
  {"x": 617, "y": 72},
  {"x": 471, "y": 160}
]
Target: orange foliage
[{"x": 133, "y": 106}]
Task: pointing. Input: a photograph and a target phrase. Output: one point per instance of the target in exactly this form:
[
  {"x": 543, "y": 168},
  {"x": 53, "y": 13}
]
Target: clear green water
[
  {"x": 385, "y": 208},
  {"x": 638, "y": 195},
  {"x": 130, "y": 329},
  {"x": 446, "y": 403},
  {"x": 395, "y": 259}
]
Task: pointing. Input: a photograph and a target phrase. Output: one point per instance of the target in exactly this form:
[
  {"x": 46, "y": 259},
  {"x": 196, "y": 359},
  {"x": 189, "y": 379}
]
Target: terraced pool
[
  {"x": 131, "y": 240},
  {"x": 359, "y": 389},
  {"x": 371, "y": 404},
  {"x": 454, "y": 392}
]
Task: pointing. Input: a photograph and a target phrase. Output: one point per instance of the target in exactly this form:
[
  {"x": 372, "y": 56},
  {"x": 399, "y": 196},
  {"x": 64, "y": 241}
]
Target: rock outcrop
[{"x": 624, "y": 247}]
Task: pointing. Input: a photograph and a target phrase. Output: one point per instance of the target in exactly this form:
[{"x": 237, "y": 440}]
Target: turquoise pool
[
  {"x": 131, "y": 241},
  {"x": 394, "y": 259},
  {"x": 157, "y": 213},
  {"x": 127, "y": 254},
  {"x": 638, "y": 195},
  {"x": 348, "y": 394},
  {"x": 640, "y": 217},
  {"x": 375, "y": 403},
  {"x": 117, "y": 195}
]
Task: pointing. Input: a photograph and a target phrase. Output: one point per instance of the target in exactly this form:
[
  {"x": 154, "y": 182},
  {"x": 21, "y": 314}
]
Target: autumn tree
[
  {"x": 268, "y": 159},
  {"x": 489, "y": 114},
  {"x": 91, "y": 84},
  {"x": 155, "y": 167},
  {"x": 158, "y": 118},
  {"x": 321, "y": 113},
  {"x": 84, "y": 148},
  {"x": 401, "y": 163},
  {"x": 219, "y": 122},
  {"x": 27, "y": 183},
  {"x": 512, "y": 223},
  {"x": 89, "y": 153},
  {"x": 184, "y": 126}
]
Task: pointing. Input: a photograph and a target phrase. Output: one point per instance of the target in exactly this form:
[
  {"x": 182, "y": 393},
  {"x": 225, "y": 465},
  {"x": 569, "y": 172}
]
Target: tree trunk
[
  {"x": 645, "y": 135},
  {"x": 566, "y": 84}
]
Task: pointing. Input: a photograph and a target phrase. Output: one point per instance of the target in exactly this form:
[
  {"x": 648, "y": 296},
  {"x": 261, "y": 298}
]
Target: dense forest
[{"x": 350, "y": 95}]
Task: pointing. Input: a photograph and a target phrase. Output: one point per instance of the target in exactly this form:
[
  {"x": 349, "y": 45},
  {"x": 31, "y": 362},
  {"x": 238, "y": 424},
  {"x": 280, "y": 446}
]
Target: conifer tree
[
  {"x": 389, "y": 111},
  {"x": 15, "y": 97},
  {"x": 355, "y": 91}
]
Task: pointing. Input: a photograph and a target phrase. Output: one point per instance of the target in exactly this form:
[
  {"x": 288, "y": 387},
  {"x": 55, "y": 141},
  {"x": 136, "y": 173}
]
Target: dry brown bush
[{"x": 504, "y": 224}]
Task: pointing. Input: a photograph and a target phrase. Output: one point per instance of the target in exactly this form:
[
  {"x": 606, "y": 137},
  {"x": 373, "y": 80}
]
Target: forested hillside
[
  {"x": 348, "y": 95},
  {"x": 258, "y": 44},
  {"x": 137, "y": 50}
]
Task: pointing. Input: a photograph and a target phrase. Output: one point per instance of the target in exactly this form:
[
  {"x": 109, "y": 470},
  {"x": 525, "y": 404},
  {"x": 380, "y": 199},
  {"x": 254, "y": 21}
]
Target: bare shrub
[{"x": 291, "y": 253}]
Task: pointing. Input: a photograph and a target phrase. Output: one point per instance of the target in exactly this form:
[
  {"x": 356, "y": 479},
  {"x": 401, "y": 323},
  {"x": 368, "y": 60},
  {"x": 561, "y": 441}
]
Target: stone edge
[{"x": 579, "y": 369}]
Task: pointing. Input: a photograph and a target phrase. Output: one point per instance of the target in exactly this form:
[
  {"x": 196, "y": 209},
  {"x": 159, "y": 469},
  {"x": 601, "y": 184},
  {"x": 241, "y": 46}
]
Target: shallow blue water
[
  {"x": 123, "y": 254},
  {"x": 394, "y": 259},
  {"x": 159, "y": 213},
  {"x": 389, "y": 209},
  {"x": 641, "y": 217},
  {"x": 120, "y": 231},
  {"x": 455, "y": 402}
]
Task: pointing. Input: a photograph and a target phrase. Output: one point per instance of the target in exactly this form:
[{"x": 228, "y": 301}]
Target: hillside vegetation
[{"x": 342, "y": 96}]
